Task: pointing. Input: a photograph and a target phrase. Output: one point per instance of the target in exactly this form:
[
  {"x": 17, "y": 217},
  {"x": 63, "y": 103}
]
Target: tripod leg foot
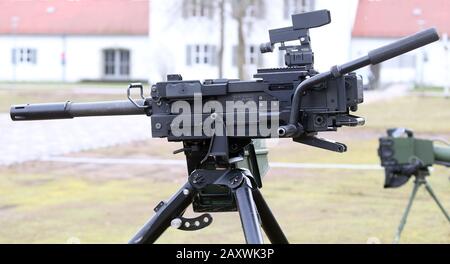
[
  {"x": 269, "y": 223},
  {"x": 248, "y": 213},
  {"x": 430, "y": 191},
  {"x": 405, "y": 214},
  {"x": 176, "y": 205}
]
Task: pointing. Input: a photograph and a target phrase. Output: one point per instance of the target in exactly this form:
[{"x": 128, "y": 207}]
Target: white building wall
[
  {"x": 83, "y": 55},
  {"x": 331, "y": 43},
  {"x": 164, "y": 51},
  {"x": 48, "y": 58},
  {"x": 85, "y": 58},
  {"x": 170, "y": 33},
  {"x": 433, "y": 71}
]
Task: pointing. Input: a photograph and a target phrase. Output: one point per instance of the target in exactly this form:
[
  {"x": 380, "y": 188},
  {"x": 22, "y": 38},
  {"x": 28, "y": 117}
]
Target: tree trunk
[
  {"x": 241, "y": 51},
  {"x": 222, "y": 37},
  {"x": 240, "y": 15}
]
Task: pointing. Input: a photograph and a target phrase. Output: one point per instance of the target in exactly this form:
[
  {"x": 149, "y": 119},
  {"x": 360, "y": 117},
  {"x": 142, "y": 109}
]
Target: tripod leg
[
  {"x": 248, "y": 213},
  {"x": 430, "y": 191},
  {"x": 177, "y": 204},
  {"x": 269, "y": 223},
  {"x": 405, "y": 214}
]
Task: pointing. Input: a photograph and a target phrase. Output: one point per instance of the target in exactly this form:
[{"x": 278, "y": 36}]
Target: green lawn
[
  {"x": 419, "y": 113},
  {"x": 320, "y": 206},
  {"x": 55, "y": 202},
  {"x": 428, "y": 89}
]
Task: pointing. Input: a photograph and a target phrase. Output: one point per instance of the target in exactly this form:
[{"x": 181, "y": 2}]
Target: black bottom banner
[{"x": 224, "y": 253}]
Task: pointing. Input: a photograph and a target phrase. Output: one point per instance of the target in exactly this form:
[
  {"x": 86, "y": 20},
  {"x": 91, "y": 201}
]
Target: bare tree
[
  {"x": 239, "y": 11},
  {"x": 222, "y": 36}
]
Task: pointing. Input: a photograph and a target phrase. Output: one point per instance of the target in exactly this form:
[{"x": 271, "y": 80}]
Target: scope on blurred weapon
[{"x": 402, "y": 155}]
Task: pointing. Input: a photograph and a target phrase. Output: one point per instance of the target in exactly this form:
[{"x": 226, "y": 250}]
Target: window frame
[
  {"x": 24, "y": 56},
  {"x": 201, "y": 54},
  {"x": 252, "y": 58},
  {"x": 198, "y": 9},
  {"x": 116, "y": 63}
]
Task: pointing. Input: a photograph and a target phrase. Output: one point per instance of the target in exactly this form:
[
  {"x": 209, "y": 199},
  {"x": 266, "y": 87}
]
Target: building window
[
  {"x": 201, "y": 54},
  {"x": 252, "y": 55},
  {"x": 116, "y": 63},
  {"x": 198, "y": 8},
  {"x": 297, "y": 6},
  {"x": 24, "y": 56},
  {"x": 124, "y": 62},
  {"x": 109, "y": 58}
]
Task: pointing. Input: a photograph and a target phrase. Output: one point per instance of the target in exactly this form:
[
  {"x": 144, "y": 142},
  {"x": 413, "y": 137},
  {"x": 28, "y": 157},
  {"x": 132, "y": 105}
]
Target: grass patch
[
  {"x": 419, "y": 88},
  {"x": 358, "y": 151},
  {"x": 326, "y": 206},
  {"x": 421, "y": 114}
]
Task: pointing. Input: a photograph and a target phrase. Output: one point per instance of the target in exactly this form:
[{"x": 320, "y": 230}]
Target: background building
[
  {"x": 85, "y": 40},
  {"x": 73, "y": 40},
  {"x": 185, "y": 35},
  {"x": 381, "y": 22}
]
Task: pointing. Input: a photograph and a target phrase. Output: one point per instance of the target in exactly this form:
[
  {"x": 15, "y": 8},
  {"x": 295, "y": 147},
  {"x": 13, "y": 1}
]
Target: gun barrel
[
  {"x": 69, "y": 109},
  {"x": 442, "y": 154}
]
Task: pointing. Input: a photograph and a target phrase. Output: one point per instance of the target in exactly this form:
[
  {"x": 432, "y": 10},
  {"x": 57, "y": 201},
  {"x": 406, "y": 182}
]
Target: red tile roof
[
  {"x": 397, "y": 18},
  {"x": 77, "y": 17}
]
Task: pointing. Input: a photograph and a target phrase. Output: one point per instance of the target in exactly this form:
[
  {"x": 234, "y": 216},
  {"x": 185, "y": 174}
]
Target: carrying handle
[{"x": 141, "y": 93}]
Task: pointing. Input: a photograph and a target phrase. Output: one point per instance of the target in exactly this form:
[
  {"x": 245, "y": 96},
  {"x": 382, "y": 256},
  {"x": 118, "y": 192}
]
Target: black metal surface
[
  {"x": 249, "y": 202},
  {"x": 174, "y": 208},
  {"x": 136, "y": 103},
  {"x": 122, "y": 107},
  {"x": 213, "y": 190},
  {"x": 321, "y": 143},
  {"x": 268, "y": 221},
  {"x": 311, "y": 19},
  {"x": 248, "y": 214},
  {"x": 40, "y": 111},
  {"x": 70, "y": 110},
  {"x": 253, "y": 163},
  {"x": 195, "y": 223}
]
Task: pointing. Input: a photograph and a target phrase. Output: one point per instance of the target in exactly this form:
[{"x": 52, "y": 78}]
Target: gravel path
[{"x": 31, "y": 140}]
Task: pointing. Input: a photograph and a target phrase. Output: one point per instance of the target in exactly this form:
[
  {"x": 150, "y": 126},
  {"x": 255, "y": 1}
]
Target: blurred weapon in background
[{"x": 402, "y": 155}]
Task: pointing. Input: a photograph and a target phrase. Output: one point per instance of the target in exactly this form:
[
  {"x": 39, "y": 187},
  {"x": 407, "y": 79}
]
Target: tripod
[
  {"x": 233, "y": 189},
  {"x": 419, "y": 181}
]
